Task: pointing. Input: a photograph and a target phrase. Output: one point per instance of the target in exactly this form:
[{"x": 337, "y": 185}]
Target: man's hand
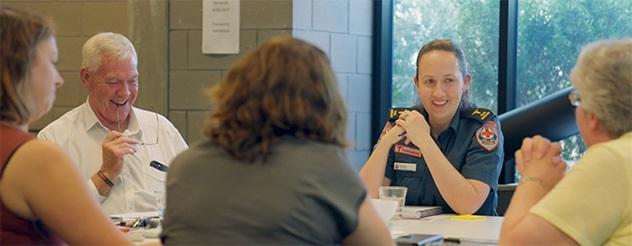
[{"x": 114, "y": 147}]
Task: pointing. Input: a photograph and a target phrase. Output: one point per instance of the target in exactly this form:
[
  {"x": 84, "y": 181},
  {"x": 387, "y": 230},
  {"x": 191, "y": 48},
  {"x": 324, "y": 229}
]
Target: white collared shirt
[{"x": 80, "y": 135}]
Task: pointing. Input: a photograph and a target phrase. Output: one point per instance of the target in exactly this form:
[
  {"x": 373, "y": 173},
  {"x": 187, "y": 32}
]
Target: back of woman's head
[
  {"x": 603, "y": 76},
  {"x": 285, "y": 87},
  {"x": 20, "y": 32}
]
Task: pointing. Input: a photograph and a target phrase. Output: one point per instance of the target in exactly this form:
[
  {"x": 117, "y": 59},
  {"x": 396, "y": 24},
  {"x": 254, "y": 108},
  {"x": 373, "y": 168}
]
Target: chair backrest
[
  {"x": 552, "y": 117},
  {"x": 505, "y": 192}
]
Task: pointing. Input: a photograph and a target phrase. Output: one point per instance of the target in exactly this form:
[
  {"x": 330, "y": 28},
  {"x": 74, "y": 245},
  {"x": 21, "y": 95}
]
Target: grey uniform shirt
[{"x": 305, "y": 193}]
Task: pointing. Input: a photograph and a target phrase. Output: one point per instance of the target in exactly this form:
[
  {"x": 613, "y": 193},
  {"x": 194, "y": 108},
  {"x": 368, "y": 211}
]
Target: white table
[
  {"x": 485, "y": 230},
  {"x": 135, "y": 215},
  {"x": 141, "y": 235}
]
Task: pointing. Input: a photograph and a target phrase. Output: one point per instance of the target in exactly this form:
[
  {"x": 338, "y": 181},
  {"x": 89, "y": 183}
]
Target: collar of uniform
[
  {"x": 456, "y": 119},
  {"x": 454, "y": 123}
]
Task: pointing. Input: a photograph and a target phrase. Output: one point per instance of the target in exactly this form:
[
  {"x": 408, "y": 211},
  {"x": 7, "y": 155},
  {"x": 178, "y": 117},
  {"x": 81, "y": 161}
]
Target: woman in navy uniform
[{"x": 448, "y": 152}]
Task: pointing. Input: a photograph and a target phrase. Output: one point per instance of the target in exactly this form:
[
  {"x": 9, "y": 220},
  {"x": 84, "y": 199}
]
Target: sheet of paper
[
  {"x": 220, "y": 26},
  {"x": 136, "y": 215}
]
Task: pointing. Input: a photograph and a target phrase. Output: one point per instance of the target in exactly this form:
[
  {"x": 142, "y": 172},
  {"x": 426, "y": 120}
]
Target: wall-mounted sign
[{"x": 220, "y": 27}]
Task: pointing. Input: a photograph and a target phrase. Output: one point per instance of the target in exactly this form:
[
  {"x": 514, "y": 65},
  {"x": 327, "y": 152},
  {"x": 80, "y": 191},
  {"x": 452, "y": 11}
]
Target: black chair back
[{"x": 552, "y": 117}]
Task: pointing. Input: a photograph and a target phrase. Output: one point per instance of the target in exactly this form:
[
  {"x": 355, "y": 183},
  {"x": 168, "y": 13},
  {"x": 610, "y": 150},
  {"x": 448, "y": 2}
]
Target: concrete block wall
[
  {"x": 174, "y": 72},
  {"x": 78, "y": 20},
  {"x": 343, "y": 29},
  {"x": 75, "y": 22},
  {"x": 191, "y": 72}
]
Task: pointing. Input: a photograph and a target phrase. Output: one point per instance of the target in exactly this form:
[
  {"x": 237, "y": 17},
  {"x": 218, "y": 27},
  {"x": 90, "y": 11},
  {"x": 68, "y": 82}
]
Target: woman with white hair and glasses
[{"x": 591, "y": 204}]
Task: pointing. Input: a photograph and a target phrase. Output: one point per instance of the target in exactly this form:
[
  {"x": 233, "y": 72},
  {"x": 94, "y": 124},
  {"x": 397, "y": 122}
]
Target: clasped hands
[
  {"x": 539, "y": 159},
  {"x": 410, "y": 124}
]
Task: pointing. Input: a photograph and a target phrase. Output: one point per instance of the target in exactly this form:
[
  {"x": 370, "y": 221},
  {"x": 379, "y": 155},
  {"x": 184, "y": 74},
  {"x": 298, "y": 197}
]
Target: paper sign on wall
[{"x": 220, "y": 27}]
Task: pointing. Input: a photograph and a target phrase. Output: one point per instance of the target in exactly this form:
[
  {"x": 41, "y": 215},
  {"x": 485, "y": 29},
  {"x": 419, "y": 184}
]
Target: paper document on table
[
  {"x": 418, "y": 212},
  {"x": 134, "y": 215}
]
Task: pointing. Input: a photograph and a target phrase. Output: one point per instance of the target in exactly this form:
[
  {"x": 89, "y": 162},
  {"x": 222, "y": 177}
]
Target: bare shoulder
[
  {"x": 36, "y": 166},
  {"x": 41, "y": 154}
]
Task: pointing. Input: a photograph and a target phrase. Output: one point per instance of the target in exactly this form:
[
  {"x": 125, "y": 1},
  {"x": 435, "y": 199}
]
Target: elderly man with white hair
[
  {"x": 592, "y": 203},
  {"x": 123, "y": 150}
]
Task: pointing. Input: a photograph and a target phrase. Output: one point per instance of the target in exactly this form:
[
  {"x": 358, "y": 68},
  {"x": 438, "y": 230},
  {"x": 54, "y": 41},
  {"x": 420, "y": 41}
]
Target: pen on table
[
  {"x": 469, "y": 240},
  {"x": 452, "y": 240}
]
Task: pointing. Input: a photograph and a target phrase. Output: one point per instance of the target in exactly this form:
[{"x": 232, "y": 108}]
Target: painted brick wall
[
  {"x": 190, "y": 71},
  {"x": 143, "y": 22},
  {"x": 343, "y": 29},
  {"x": 175, "y": 73},
  {"x": 74, "y": 24}
]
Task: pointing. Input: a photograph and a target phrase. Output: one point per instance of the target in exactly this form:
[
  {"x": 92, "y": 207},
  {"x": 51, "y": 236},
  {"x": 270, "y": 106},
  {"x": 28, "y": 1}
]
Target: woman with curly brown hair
[{"x": 273, "y": 169}]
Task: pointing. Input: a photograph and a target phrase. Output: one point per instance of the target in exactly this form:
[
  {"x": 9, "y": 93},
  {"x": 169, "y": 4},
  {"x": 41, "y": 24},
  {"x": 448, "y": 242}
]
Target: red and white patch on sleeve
[{"x": 487, "y": 136}]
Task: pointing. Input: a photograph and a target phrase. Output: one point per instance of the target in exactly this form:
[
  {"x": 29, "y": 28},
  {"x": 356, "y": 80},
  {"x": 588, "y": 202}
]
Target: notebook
[
  {"x": 418, "y": 239},
  {"x": 417, "y": 212}
]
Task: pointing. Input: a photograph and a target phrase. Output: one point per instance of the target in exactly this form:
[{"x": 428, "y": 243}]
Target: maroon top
[{"x": 13, "y": 229}]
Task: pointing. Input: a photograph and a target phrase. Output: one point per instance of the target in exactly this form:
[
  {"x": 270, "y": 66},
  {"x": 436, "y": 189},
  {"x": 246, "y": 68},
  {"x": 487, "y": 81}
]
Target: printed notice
[{"x": 220, "y": 27}]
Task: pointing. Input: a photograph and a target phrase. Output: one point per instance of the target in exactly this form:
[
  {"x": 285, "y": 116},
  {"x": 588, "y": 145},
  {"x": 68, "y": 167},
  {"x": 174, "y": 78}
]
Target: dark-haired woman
[{"x": 448, "y": 152}]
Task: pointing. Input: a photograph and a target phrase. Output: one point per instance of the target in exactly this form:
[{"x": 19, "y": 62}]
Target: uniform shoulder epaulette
[{"x": 480, "y": 114}]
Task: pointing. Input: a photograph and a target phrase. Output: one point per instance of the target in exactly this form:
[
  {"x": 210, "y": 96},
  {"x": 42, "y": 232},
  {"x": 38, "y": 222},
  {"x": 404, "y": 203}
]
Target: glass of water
[
  {"x": 160, "y": 201},
  {"x": 397, "y": 193}
]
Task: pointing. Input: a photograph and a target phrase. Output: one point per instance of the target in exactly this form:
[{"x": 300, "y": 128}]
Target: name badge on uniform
[
  {"x": 402, "y": 166},
  {"x": 403, "y": 149}
]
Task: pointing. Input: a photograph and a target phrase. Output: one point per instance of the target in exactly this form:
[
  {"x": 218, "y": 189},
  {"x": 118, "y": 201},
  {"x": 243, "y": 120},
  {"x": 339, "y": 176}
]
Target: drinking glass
[{"x": 397, "y": 193}]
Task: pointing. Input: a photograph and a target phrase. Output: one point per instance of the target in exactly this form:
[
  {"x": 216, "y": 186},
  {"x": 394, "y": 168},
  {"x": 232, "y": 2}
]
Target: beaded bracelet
[
  {"x": 105, "y": 178},
  {"x": 535, "y": 179}
]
